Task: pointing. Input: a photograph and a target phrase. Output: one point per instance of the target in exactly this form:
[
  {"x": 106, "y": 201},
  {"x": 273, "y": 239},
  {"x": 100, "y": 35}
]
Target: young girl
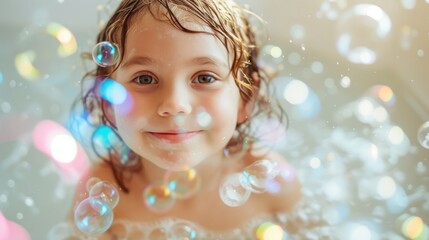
[{"x": 191, "y": 87}]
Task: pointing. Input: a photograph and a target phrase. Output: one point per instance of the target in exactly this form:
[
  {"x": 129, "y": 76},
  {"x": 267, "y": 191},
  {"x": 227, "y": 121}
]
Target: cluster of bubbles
[
  {"x": 257, "y": 177},
  {"x": 94, "y": 215},
  {"x": 160, "y": 197}
]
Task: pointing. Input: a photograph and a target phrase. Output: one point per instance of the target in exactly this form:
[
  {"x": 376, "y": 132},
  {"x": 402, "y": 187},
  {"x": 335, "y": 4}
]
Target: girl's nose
[{"x": 175, "y": 100}]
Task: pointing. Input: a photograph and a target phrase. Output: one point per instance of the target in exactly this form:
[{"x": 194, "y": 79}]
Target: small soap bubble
[
  {"x": 105, "y": 192},
  {"x": 158, "y": 234},
  {"x": 423, "y": 135},
  {"x": 105, "y": 54},
  {"x": 183, "y": 183},
  {"x": 91, "y": 182},
  {"x": 158, "y": 197},
  {"x": 231, "y": 191},
  {"x": 258, "y": 174},
  {"x": 93, "y": 216},
  {"x": 182, "y": 230}
]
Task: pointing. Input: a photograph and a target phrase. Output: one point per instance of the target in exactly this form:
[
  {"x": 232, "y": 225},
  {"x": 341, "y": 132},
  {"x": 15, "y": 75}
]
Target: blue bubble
[
  {"x": 93, "y": 216},
  {"x": 105, "y": 54},
  {"x": 1, "y": 78},
  {"x": 104, "y": 136},
  {"x": 113, "y": 91}
]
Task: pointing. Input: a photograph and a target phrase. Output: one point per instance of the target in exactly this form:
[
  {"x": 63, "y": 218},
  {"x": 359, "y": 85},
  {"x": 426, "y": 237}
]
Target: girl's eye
[
  {"x": 205, "y": 78},
  {"x": 145, "y": 79}
]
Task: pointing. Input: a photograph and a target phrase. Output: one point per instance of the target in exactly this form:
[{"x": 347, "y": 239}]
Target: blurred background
[{"x": 353, "y": 76}]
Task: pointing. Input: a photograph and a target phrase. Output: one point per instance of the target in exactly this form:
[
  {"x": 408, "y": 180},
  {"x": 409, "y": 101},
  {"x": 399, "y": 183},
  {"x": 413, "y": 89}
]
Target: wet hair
[{"x": 229, "y": 23}]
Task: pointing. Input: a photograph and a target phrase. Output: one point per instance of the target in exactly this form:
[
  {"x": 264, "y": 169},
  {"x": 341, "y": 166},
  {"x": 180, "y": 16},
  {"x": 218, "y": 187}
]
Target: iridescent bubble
[
  {"x": 93, "y": 216},
  {"x": 158, "y": 197},
  {"x": 91, "y": 182},
  {"x": 183, "y": 231},
  {"x": 105, "y": 192},
  {"x": 362, "y": 32},
  {"x": 423, "y": 135},
  {"x": 257, "y": 175},
  {"x": 105, "y": 54},
  {"x": 183, "y": 184},
  {"x": 232, "y": 193}
]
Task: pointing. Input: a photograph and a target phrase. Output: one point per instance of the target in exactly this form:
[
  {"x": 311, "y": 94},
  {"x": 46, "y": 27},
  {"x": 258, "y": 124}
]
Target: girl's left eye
[
  {"x": 145, "y": 79},
  {"x": 205, "y": 78}
]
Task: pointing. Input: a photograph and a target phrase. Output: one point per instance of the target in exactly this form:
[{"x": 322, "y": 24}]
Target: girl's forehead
[{"x": 146, "y": 19}]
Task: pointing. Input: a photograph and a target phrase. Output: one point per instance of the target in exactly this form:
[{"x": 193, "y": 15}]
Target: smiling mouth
[{"x": 175, "y": 137}]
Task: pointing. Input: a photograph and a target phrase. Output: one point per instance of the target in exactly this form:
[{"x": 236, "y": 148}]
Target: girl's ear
[{"x": 246, "y": 108}]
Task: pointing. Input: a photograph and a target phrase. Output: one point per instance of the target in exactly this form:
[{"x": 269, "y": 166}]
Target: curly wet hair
[{"x": 229, "y": 23}]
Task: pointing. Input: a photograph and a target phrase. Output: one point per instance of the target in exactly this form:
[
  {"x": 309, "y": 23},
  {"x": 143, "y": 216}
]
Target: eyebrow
[
  {"x": 143, "y": 60},
  {"x": 208, "y": 61},
  {"x": 139, "y": 60}
]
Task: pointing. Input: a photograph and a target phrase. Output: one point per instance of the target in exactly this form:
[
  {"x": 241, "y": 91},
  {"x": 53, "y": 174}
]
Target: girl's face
[{"x": 183, "y": 104}]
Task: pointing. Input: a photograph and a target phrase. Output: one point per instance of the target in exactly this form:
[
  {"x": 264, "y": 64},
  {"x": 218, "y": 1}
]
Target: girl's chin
[{"x": 177, "y": 163}]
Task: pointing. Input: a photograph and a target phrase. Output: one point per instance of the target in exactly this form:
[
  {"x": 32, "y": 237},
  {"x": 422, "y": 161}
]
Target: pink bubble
[
  {"x": 4, "y": 227},
  {"x": 11, "y": 230},
  {"x": 18, "y": 232}
]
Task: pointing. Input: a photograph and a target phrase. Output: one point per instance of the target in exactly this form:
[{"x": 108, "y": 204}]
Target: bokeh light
[{"x": 40, "y": 47}]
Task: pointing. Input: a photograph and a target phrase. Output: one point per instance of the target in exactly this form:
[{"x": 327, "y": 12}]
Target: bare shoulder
[
  {"x": 285, "y": 189},
  {"x": 100, "y": 171}
]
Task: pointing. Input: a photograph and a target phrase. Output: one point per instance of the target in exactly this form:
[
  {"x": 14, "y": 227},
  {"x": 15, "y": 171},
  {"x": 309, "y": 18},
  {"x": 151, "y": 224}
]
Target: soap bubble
[
  {"x": 158, "y": 197},
  {"x": 231, "y": 191},
  {"x": 423, "y": 135},
  {"x": 93, "y": 216},
  {"x": 183, "y": 183},
  {"x": 105, "y": 192},
  {"x": 105, "y": 54},
  {"x": 181, "y": 230},
  {"x": 158, "y": 234},
  {"x": 91, "y": 182},
  {"x": 258, "y": 174},
  {"x": 362, "y": 32}
]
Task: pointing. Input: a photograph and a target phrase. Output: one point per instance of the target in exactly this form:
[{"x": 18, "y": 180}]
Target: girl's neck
[{"x": 210, "y": 170}]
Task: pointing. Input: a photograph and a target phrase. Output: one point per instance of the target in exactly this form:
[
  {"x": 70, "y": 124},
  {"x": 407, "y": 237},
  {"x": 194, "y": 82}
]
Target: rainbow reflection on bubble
[
  {"x": 183, "y": 183},
  {"x": 93, "y": 216},
  {"x": 105, "y": 192},
  {"x": 105, "y": 54},
  {"x": 158, "y": 197}
]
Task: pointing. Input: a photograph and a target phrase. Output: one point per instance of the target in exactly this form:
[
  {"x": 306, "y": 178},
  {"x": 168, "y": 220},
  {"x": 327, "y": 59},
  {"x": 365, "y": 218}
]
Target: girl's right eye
[{"x": 144, "y": 79}]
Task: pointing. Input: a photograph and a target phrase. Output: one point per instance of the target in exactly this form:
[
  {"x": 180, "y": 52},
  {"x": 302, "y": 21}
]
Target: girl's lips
[{"x": 175, "y": 137}]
